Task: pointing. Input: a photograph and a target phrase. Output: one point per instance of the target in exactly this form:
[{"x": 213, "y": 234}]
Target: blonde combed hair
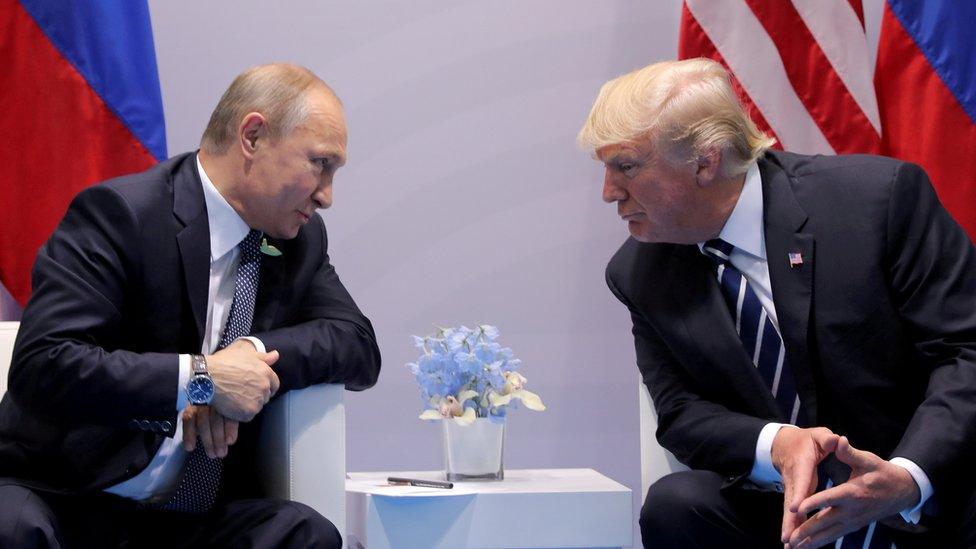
[
  {"x": 685, "y": 107},
  {"x": 278, "y": 91}
]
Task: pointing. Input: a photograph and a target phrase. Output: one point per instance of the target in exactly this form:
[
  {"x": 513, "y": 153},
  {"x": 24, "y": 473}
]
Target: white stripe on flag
[
  {"x": 838, "y": 31},
  {"x": 741, "y": 39}
]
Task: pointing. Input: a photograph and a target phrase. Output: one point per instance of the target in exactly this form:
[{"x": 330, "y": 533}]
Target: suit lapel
[
  {"x": 194, "y": 240},
  {"x": 791, "y": 281},
  {"x": 696, "y": 299}
]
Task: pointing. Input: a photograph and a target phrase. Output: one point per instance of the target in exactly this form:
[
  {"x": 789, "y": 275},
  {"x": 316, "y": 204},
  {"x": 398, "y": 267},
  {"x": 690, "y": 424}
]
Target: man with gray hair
[
  {"x": 806, "y": 326},
  {"x": 168, "y": 307}
]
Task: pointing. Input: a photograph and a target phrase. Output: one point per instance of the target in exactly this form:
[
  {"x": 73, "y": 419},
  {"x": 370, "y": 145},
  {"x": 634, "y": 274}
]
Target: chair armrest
[{"x": 302, "y": 454}]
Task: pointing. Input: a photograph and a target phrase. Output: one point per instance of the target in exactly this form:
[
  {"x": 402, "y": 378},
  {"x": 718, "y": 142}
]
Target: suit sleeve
[
  {"x": 330, "y": 341},
  {"x": 699, "y": 432},
  {"x": 67, "y": 363},
  {"x": 933, "y": 277}
]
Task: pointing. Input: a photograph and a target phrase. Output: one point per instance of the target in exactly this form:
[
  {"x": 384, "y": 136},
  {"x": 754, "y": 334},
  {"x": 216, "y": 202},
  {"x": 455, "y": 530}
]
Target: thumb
[
  {"x": 271, "y": 358},
  {"x": 848, "y": 454}
]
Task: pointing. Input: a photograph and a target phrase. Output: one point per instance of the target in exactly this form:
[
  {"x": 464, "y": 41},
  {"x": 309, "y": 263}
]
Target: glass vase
[{"x": 474, "y": 451}]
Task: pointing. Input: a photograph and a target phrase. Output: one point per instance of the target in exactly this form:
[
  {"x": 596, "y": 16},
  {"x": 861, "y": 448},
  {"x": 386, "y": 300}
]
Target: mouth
[
  {"x": 630, "y": 216},
  {"x": 305, "y": 217}
]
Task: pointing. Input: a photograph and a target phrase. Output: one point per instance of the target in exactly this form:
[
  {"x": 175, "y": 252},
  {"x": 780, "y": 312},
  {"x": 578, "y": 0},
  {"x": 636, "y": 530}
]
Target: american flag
[{"x": 802, "y": 68}]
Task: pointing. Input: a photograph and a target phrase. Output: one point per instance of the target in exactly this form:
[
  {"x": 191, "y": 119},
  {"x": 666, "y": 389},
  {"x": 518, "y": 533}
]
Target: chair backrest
[
  {"x": 655, "y": 460},
  {"x": 8, "y": 333}
]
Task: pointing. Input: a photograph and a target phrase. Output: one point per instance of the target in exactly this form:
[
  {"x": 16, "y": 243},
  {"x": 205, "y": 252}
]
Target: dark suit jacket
[
  {"x": 120, "y": 289},
  {"x": 879, "y": 322}
]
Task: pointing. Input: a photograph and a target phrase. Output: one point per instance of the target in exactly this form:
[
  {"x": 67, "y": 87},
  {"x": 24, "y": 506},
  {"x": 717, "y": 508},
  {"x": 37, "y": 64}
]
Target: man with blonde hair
[
  {"x": 805, "y": 325},
  {"x": 169, "y": 307}
]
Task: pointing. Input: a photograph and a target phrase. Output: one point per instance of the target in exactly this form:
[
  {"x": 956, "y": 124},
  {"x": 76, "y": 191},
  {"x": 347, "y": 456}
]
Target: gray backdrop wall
[{"x": 464, "y": 199}]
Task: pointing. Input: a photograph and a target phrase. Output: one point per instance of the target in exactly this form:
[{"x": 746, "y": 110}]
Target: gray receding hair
[
  {"x": 685, "y": 108},
  {"x": 278, "y": 91}
]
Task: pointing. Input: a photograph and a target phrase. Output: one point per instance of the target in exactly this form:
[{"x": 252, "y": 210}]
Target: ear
[
  {"x": 253, "y": 130},
  {"x": 707, "y": 167}
]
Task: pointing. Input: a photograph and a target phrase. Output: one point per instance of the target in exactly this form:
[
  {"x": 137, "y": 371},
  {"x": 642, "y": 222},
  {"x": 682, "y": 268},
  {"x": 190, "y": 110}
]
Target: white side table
[{"x": 530, "y": 508}]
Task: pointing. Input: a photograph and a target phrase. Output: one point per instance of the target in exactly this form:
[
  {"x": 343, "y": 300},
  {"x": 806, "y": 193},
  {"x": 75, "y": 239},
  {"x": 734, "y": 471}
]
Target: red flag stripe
[
  {"x": 924, "y": 122},
  {"x": 693, "y": 42},
  {"x": 816, "y": 83},
  {"x": 75, "y": 140}
]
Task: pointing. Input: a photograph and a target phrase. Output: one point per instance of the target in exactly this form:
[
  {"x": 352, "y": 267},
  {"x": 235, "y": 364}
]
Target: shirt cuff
[
  {"x": 185, "y": 370},
  {"x": 763, "y": 473},
  {"x": 913, "y": 515},
  {"x": 257, "y": 343}
]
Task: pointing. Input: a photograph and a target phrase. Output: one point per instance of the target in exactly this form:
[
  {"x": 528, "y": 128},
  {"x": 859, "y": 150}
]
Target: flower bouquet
[{"x": 468, "y": 379}]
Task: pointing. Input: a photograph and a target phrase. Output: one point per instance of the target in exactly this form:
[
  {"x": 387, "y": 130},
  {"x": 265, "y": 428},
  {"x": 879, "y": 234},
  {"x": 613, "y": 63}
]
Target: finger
[
  {"x": 189, "y": 429},
  {"x": 803, "y": 480},
  {"x": 852, "y": 456},
  {"x": 791, "y": 521},
  {"x": 826, "y": 536},
  {"x": 815, "y": 525},
  {"x": 217, "y": 433},
  {"x": 275, "y": 384},
  {"x": 826, "y": 439},
  {"x": 838, "y": 495},
  {"x": 271, "y": 358},
  {"x": 230, "y": 431},
  {"x": 203, "y": 426}
]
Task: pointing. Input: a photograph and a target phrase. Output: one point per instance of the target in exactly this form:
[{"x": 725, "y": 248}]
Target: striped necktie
[
  {"x": 200, "y": 484},
  {"x": 756, "y": 330}
]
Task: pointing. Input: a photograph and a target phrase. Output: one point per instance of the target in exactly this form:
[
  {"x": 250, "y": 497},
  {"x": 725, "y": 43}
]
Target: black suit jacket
[
  {"x": 120, "y": 289},
  {"x": 879, "y": 322}
]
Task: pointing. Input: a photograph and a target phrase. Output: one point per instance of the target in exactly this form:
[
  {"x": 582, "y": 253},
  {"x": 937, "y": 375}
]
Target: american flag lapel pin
[{"x": 796, "y": 259}]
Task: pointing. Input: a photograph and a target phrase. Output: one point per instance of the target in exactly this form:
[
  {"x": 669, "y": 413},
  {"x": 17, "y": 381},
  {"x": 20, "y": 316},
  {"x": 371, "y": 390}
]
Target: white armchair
[
  {"x": 303, "y": 442},
  {"x": 655, "y": 460}
]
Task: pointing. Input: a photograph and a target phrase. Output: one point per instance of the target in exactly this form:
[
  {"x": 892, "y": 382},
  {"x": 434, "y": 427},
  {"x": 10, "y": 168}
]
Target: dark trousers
[
  {"x": 32, "y": 519},
  {"x": 689, "y": 509}
]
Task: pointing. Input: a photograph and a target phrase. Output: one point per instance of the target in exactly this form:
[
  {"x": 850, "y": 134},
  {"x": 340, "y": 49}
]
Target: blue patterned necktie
[
  {"x": 201, "y": 478},
  {"x": 756, "y": 330},
  {"x": 764, "y": 344}
]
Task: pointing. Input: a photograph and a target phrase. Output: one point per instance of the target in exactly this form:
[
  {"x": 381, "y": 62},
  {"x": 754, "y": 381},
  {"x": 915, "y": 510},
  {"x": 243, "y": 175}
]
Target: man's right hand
[
  {"x": 243, "y": 380},
  {"x": 796, "y": 454}
]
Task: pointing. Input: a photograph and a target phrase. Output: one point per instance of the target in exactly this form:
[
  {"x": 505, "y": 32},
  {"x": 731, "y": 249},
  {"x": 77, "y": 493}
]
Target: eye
[
  {"x": 626, "y": 167},
  {"x": 323, "y": 164}
]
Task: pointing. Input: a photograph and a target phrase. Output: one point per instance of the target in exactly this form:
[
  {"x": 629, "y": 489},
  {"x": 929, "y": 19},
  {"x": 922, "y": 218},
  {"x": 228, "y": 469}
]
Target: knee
[
  {"x": 25, "y": 520},
  {"x": 675, "y": 502},
  {"x": 309, "y": 527}
]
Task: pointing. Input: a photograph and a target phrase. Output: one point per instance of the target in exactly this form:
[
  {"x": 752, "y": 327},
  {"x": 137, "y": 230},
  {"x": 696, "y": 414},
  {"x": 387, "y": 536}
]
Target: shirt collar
[
  {"x": 744, "y": 227},
  {"x": 227, "y": 229}
]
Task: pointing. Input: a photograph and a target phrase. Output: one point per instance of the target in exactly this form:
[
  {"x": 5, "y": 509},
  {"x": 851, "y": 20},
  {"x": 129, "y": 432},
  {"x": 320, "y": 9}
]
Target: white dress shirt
[
  {"x": 227, "y": 229},
  {"x": 744, "y": 231}
]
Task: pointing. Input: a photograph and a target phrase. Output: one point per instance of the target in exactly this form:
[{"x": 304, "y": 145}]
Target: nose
[
  {"x": 612, "y": 192},
  {"x": 323, "y": 194}
]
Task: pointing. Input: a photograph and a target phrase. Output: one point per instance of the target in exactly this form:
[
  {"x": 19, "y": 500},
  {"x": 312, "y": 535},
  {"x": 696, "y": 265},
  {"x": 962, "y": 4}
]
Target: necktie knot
[
  {"x": 718, "y": 250},
  {"x": 251, "y": 244}
]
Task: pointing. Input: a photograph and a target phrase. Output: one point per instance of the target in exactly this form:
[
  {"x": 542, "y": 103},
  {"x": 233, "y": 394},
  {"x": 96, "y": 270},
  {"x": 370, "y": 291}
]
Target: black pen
[{"x": 419, "y": 482}]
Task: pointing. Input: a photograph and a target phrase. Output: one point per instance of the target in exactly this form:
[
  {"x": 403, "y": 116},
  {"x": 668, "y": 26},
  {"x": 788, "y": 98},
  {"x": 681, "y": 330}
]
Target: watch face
[{"x": 200, "y": 390}]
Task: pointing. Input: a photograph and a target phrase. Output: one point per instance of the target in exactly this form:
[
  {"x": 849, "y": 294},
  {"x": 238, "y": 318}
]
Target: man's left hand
[
  {"x": 875, "y": 490},
  {"x": 216, "y": 432}
]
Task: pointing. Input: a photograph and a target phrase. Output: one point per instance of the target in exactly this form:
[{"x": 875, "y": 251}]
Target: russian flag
[
  {"x": 81, "y": 104},
  {"x": 926, "y": 87}
]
